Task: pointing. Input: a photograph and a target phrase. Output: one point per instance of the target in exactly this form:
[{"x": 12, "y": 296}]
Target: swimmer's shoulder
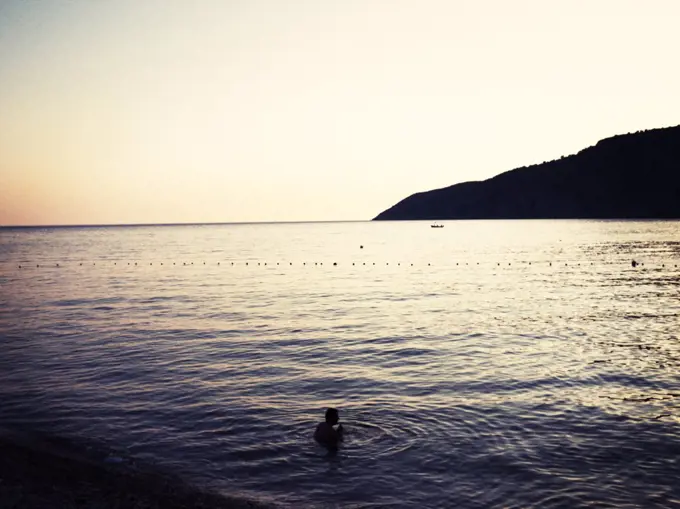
[
  {"x": 321, "y": 431},
  {"x": 326, "y": 434}
]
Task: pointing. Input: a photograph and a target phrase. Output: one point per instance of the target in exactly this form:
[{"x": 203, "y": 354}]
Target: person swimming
[{"x": 325, "y": 433}]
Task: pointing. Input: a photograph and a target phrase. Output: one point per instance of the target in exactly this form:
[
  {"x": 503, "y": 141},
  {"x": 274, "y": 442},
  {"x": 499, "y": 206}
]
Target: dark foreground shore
[{"x": 39, "y": 474}]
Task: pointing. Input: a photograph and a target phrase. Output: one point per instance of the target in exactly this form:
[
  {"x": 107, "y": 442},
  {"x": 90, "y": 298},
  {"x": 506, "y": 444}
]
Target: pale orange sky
[{"x": 144, "y": 111}]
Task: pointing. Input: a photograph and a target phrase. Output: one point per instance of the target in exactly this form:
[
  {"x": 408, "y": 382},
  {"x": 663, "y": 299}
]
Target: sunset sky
[{"x": 147, "y": 111}]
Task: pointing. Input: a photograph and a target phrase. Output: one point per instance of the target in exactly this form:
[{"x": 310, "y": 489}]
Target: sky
[{"x": 172, "y": 111}]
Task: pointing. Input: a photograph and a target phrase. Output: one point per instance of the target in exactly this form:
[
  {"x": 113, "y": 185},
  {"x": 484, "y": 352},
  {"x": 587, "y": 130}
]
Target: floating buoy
[
  {"x": 361, "y": 247},
  {"x": 633, "y": 263},
  {"x": 335, "y": 263}
]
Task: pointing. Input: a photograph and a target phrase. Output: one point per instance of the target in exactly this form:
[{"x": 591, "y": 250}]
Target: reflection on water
[{"x": 485, "y": 364}]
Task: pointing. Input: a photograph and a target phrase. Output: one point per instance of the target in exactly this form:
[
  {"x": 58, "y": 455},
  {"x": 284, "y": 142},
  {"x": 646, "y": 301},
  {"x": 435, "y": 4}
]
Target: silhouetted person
[{"x": 325, "y": 433}]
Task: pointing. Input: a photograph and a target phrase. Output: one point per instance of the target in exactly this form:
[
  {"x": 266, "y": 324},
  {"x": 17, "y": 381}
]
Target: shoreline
[{"x": 40, "y": 472}]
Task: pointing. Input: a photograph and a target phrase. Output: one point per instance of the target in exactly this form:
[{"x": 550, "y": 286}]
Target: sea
[{"x": 484, "y": 364}]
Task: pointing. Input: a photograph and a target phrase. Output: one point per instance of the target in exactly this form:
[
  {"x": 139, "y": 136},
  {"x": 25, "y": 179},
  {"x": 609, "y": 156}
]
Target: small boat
[{"x": 435, "y": 225}]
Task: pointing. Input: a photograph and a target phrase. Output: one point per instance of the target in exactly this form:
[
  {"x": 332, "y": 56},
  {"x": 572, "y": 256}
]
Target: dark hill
[{"x": 626, "y": 176}]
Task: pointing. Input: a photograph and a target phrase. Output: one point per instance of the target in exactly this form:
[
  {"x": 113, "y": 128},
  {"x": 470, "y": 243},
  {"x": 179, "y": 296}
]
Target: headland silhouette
[{"x": 626, "y": 176}]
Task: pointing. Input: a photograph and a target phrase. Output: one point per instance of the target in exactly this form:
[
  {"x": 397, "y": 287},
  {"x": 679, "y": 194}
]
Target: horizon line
[
  {"x": 236, "y": 223},
  {"x": 201, "y": 223}
]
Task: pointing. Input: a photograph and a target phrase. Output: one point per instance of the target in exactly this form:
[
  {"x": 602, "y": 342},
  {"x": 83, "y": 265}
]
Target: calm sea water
[{"x": 487, "y": 364}]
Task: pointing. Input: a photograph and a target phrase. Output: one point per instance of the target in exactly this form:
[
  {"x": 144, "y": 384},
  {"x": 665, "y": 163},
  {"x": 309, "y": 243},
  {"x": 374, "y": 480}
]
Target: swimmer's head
[{"x": 332, "y": 416}]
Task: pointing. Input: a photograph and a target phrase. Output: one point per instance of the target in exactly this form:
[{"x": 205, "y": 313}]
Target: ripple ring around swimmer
[{"x": 363, "y": 438}]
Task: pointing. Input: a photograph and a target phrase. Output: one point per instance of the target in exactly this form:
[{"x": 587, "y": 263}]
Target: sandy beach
[{"x": 37, "y": 474}]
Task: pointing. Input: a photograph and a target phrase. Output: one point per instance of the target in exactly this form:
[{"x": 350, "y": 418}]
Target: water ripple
[{"x": 494, "y": 384}]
